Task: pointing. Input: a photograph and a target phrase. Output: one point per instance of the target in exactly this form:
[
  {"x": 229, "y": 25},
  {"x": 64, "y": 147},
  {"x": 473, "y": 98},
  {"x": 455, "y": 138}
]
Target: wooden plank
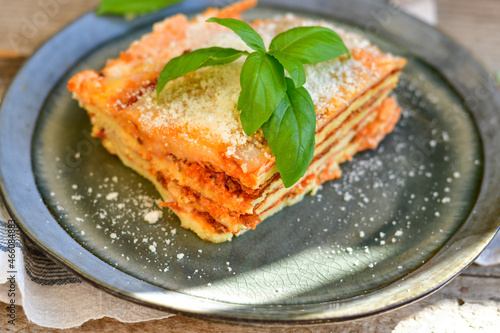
[
  {"x": 475, "y": 24},
  {"x": 467, "y": 302},
  {"x": 25, "y": 24},
  {"x": 8, "y": 69},
  {"x": 483, "y": 271},
  {"x": 470, "y": 301}
]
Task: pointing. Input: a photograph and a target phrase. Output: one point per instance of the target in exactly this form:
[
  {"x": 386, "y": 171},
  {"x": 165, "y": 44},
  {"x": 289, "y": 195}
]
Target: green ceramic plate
[{"x": 400, "y": 223}]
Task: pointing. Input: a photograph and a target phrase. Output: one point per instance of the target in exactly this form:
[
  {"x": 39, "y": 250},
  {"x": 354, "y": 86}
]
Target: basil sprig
[
  {"x": 244, "y": 30},
  {"x": 290, "y": 133},
  {"x": 126, "y": 7},
  {"x": 194, "y": 60},
  {"x": 263, "y": 86},
  {"x": 281, "y": 106}
]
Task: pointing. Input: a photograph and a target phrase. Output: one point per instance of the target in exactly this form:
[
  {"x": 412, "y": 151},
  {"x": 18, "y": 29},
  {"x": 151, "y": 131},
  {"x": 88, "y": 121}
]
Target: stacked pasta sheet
[{"x": 190, "y": 143}]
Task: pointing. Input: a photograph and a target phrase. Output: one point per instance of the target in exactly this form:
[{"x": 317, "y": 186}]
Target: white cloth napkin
[{"x": 51, "y": 296}]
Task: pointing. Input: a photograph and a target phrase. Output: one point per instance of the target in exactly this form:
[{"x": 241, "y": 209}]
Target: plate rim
[{"x": 118, "y": 27}]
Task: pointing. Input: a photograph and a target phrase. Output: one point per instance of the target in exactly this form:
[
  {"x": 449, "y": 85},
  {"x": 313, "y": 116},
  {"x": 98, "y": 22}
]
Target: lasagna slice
[{"x": 190, "y": 144}]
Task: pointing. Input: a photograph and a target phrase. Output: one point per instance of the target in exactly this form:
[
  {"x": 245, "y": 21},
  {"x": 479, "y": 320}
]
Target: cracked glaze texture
[{"x": 391, "y": 211}]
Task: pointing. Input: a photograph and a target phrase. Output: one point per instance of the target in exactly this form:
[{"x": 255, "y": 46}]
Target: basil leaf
[
  {"x": 309, "y": 44},
  {"x": 194, "y": 60},
  {"x": 242, "y": 29},
  {"x": 290, "y": 133},
  {"x": 121, "y": 7},
  {"x": 263, "y": 86},
  {"x": 293, "y": 66}
]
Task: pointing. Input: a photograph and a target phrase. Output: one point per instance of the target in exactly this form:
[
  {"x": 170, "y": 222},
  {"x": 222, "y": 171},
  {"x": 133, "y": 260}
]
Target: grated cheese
[{"x": 205, "y": 101}]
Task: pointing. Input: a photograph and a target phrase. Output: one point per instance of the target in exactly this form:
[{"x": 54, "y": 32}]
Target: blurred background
[{"x": 25, "y": 24}]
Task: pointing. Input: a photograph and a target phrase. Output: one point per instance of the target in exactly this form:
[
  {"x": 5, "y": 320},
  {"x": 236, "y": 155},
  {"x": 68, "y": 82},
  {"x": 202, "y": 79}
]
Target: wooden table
[{"x": 471, "y": 302}]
